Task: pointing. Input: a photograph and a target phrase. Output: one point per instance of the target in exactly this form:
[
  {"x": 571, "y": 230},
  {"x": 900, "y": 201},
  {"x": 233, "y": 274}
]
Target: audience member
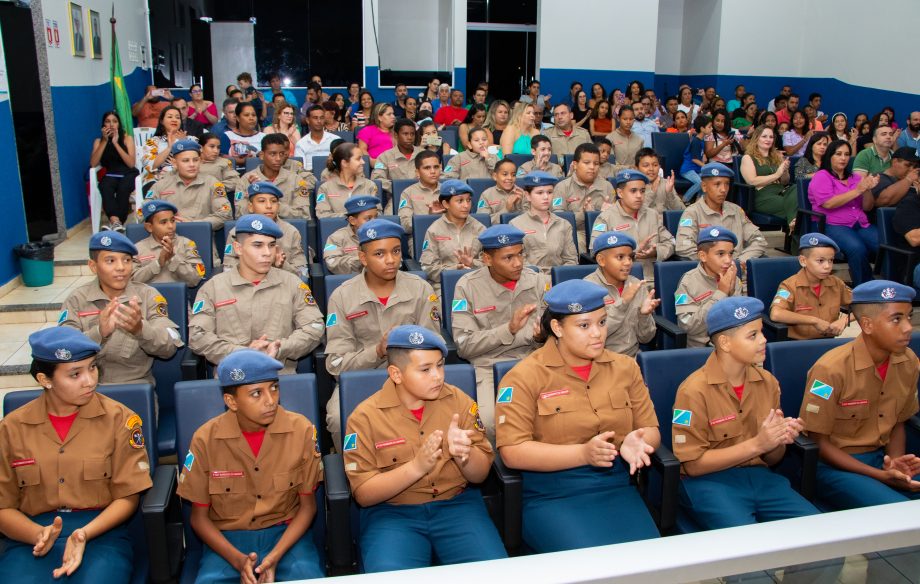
[
  {"x": 625, "y": 142},
  {"x": 876, "y": 158},
  {"x": 451, "y": 114},
  {"x": 497, "y": 119},
  {"x": 317, "y": 141},
  {"x": 115, "y": 153},
  {"x": 284, "y": 122},
  {"x": 798, "y": 135},
  {"x": 767, "y": 170},
  {"x": 686, "y": 105},
  {"x": 148, "y": 109},
  {"x": 377, "y": 136},
  {"x": 475, "y": 118},
  {"x": 810, "y": 162},
  {"x": 601, "y": 122},
  {"x": 643, "y": 126},
  {"x": 565, "y": 135},
  {"x": 200, "y": 109},
  {"x": 694, "y": 156},
  {"x": 598, "y": 93},
  {"x": 580, "y": 110},
  {"x": 516, "y": 137},
  {"x": 540, "y": 102},
  {"x": 360, "y": 113}
]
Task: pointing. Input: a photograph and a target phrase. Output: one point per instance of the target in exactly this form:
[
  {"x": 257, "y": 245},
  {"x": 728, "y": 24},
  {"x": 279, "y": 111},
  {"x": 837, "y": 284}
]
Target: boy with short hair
[
  {"x": 660, "y": 194},
  {"x": 247, "y": 449},
  {"x": 584, "y": 190},
  {"x": 504, "y": 196},
  {"x": 810, "y": 301},
  {"x": 542, "y": 149},
  {"x": 164, "y": 256},
  {"x": 421, "y": 198},
  {"x": 411, "y": 452},
  {"x": 340, "y": 253},
  {"x": 631, "y": 303},
  {"x": 858, "y": 397},
  {"x": 213, "y": 164},
  {"x": 399, "y": 161},
  {"x": 295, "y": 190},
  {"x": 715, "y": 278},
  {"x": 606, "y": 169}
]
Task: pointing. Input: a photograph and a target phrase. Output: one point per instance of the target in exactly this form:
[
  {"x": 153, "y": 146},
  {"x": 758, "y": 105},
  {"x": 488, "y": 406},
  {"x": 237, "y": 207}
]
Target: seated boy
[
  {"x": 810, "y": 301},
  {"x": 542, "y": 149},
  {"x": 715, "y": 278},
  {"x": 584, "y": 190},
  {"x": 213, "y": 164},
  {"x": 858, "y": 397},
  {"x": 251, "y": 474},
  {"x": 660, "y": 194},
  {"x": 264, "y": 199},
  {"x": 606, "y": 169},
  {"x": 129, "y": 320},
  {"x": 631, "y": 303},
  {"x": 340, "y": 254},
  {"x": 411, "y": 451},
  {"x": 421, "y": 198},
  {"x": 164, "y": 256},
  {"x": 399, "y": 161},
  {"x": 294, "y": 188},
  {"x": 505, "y": 196}
]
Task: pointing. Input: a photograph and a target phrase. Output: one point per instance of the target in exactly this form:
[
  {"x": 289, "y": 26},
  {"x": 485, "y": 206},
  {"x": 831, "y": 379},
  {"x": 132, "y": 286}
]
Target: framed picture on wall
[
  {"x": 77, "y": 37},
  {"x": 95, "y": 34}
]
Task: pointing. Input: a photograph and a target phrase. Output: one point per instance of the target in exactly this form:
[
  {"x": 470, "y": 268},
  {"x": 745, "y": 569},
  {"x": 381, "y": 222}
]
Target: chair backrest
[
  {"x": 197, "y": 231},
  {"x": 252, "y": 164},
  {"x": 562, "y": 273},
  {"x": 479, "y": 186},
  {"x": 802, "y": 193},
  {"x": 399, "y": 185},
  {"x": 346, "y": 135},
  {"x": 449, "y": 280},
  {"x": 450, "y": 135},
  {"x": 326, "y": 226},
  {"x": 671, "y": 219},
  {"x": 168, "y": 372},
  {"x": 892, "y": 267},
  {"x": 141, "y": 135},
  {"x": 793, "y": 160},
  {"x": 567, "y": 162},
  {"x": 590, "y": 220},
  {"x": 499, "y": 370},
  {"x": 670, "y": 147},
  {"x": 667, "y": 277},
  {"x": 764, "y": 276},
  {"x": 790, "y": 361},
  {"x": 319, "y": 165},
  {"x": 663, "y": 372},
  {"x": 138, "y": 397},
  {"x": 519, "y": 159}
]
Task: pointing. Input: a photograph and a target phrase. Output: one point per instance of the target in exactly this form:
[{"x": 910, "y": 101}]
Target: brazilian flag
[{"x": 119, "y": 92}]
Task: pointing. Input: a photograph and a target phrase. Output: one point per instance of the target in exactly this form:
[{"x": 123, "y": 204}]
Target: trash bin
[{"x": 37, "y": 262}]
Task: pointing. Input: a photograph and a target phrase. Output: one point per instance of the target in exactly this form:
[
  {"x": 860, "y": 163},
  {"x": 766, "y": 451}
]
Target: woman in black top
[
  {"x": 115, "y": 153},
  {"x": 580, "y": 110}
]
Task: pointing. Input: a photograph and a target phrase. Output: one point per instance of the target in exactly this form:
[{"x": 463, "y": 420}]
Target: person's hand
[
  {"x": 838, "y": 325},
  {"x": 517, "y": 193},
  {"x": 252, "y": 178},
  {"x": 599, "y": 450},
  {"x": 464, "y": 257},
  {"x": 868, "y": 182},
  {"x": 822, "y": 325},
  {"x": 260, "y": 344},
  {"x": 266, "y": 570},
  {"x": 435, "y": 207},
  {"x": 897, "y": 134},
  {"x": 181, "y": 219},
  {"x": 107, "y": 319},
  {"x": 647, "y": 249},
  {"x": 519, "y": 318},
  {"x": 772, "y": 433},
  {"x": 245, "y": 565},
  {"x": 46, "y": 537},
  {"x": 909, "y": 464},
  {"x": 73, "y": 554},
  {"x": 783, "y": 167},
  {"x": 635, "y": 450},
  {"x": 649, "y": 304},
  {"x": 279, "y": 257},
  {"x": 382, "y": 344},
  {"x": 913, "y": 175},
  {"x": 669, "y": 184},
  {"x": 630, "y": 291},
  {"x": 794, "y": 427},
  {"x": 168, "y": 94},
  {"x": 896, "y": 478},
  {"x": 167, "y": 252},
  {"x": 272, "y": 348},
  {"x": 727, "y": 280},
  {"x": 128, "y": 317},
  {"x": 427, "y": 456},
  {"x": 459, "y": 442},
  {"x": 853, "y": 134}
]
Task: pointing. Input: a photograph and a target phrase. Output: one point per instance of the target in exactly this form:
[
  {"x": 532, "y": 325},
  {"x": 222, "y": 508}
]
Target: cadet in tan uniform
[
  {"x": 72, "y": 467},
  {"x": 505, "y": 196},
  {"x": 255, "y": 305},
  {"x": 495, "y": 310},
  {"x": 563, "y": 415},
  {"x": 451, "y": 242},
  {"x": 421, "y": 198},
  {"x": 346, "y": 179},
  {"x": 660, "y": 194},
  {"x": 251, "y": 475},
  {"x": 630, "y": 303},
  {"x": 411, "y": 451},
  {"x": 340, "y": 254},
  {"x": 397, "y": 163},
  {"x": 565, "y": 135},
  {"x": 548, "y": 239},
  {"x": 264, "y": 199},
  {"x": 542, "y": 149},
  {"x": 605, "y": 170},
  {"x": 858, "y": 397},
  {"x": 363, "y": 310},
  {"x": 630, "y": 215},
  {"x": 165, "y": 256},
  {"x": 712, "y": 209},
  {"x": 130, "y": 320},
  {"x": 715, "y": 278},
  {"x": 625, "y": 142},
  {"x": 213, "y": 164},
  {"x": 295, "y": 190},
  {"x": 727, "y": 428},
  {"x": 584, "y": 190},
  {"x": 810, "y": 301},
  {"x": 477, "y": 162}
]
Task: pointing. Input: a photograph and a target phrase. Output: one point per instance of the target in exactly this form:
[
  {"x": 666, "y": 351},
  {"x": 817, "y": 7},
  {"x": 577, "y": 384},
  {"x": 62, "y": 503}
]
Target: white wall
[
  {"x": 670, "y": 36},
  {"x": 700, "y": 39},
  {"x": 233, "y": 49},
  {"x": 410, "y": 33}
]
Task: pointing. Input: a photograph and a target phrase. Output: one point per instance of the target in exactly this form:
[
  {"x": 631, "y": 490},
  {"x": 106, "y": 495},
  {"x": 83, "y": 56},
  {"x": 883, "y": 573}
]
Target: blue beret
[
  {"x": 501, "y": 235},
  {"x": 628, "y": 174},
  {"x": 611, "y": 239},
  {"x": 715, "y": 233},
  {"x": 536, "y": 178},
  {"x": 247, "y": 366},
  {"x": 183, "y": 145},
  {"x": 882, "y": 291},
  {"x": 379, "y": 229},
  {"x": 412, "y": 336},
  {"x": 810, "y": 240},
  {"x": 61, "y": 344},
  {"x": 716, "y": 169},
  {"x": 359, "y": 203},
  {"x": 575, "y": 297},
  {"x": 731, "y": 312},
  {"x": 112, "y": 241},
  {"x": 154, "y": 206},
  {"x": 259, "y": 225},
  {"x": 453, "y": 186},
  {"x": 261, "y": 187}
]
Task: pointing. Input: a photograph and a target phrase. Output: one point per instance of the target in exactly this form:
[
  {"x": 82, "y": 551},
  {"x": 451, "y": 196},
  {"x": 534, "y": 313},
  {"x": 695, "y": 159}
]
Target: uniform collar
[
  {"x": 94, "y": 292},
  {"x": 36, "y": 411},
  {"x": 862, "y": 359},
  {"x": 365, "y": 294},
  {"x": 388, "y": 398},
  {"x": 551, "y": 357},
  {"x": 270, "y": 279},
  {"x": 715, "y": 375},
  {"x": 399, "y": 155},
  {"x": 707, "y": 210},
  {"x": 800, "y": 280},
  {"x": 228, "y": 426},
  {"x": 198, "y": 180},
  {"x": 619, "y": 207},
  {"x": 705, "y": 274}
]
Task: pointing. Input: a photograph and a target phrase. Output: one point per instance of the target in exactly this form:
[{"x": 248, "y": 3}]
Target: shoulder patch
[
  {"x": 350, "y": 442},
  {"x": 599, "y": 227},
  {"x": 505, "y": 395},
  {"x": 680, "y": 299},
  {"x": 330, "y": 247},
  {"x": 821, "y": 389},
  {"x": 228, "y": 249},
  {"x": 685, "y": 222},
  {"x": 557, "y": 201},
  {"x": 481, "y": 204},
  {"x": 63, "y": 317},
  {"x": 681, "y": 417},
  {"x": 189, "y": 461},
  {"x": 198, "y": 307},
  {"x": 320, "y": 197},
  {"x": 379, "y": 166},
  {"x": 448, "y": 168},
  {"x": 459, "y": 305},
  {"x": 783, "y": 293},
  {"x": 424, "y": 245},
  {"x": 332, "y": 319},
  {"x": 403, "y": 203}
]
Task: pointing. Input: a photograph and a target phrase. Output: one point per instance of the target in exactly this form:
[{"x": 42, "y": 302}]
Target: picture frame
[
  {"x": 77, "y": 30},
  {"x": 95, "y": 34}
]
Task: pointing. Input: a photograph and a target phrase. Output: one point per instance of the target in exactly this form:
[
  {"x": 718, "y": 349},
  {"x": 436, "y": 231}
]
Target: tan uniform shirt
[
  {"x": 659, "y": 199},
  {"x": 571, "y": 195},
  {"x": 708, "y": 414},
  {"x": 184, "y": 266},
  {"x": 393, "y": 165},
  {"x": 604, "y": 171},
  {"x": 563, "y": 144},
  {"x": 647, "y": 223},
  {"x": 626, "y": 328},
  {"x": 101, "y": 459},
  {"x": 846, "y": 400},
  {"x": 751, "y": 242},
  {"x": 340, "y": 254},
  {"x": 415, "y": 200},
  {"x": 543, "y": 400},
  {"x": 796, "y": 295},
  {"x": 625, "y": 148},
  {"x": 442, "y": 240},
  {"x": 222, "y": 169},
  {"x": 295, "y": 261},
  {"x": 468, "y": 164},
  {"x": 231, "y": 312},
  {"x": 552, "y": 168},
  {"x": 332, "y": 194},
  {"x": 547, "y": 244},
  {"x": 249, "y": 492},
  {"x": 125, "y": 358},
  {"x": 296, "y": 189},
  {"x": 696, "y": 292},
  {"x": 492, "y": 201},
  {"x": 383, "y": 435},
  {"x": 203, "y": 199}
]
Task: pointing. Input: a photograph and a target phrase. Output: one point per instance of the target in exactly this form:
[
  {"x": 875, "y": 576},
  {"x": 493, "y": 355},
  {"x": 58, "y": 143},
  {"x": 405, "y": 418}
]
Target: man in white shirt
[{"x": 317, "y": 141}]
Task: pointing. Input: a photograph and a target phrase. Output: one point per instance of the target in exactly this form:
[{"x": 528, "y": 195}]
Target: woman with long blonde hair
[
  {"x": 765, "y": 168},
  {"x": 521, "y": 128},
  {"x": 283, "y": 122}
]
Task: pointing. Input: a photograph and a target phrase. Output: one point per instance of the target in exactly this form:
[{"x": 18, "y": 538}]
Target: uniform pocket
[
  {"x": 850, "y": 417},
  {"x": 28, "y": 476},
  {"x": 393, "y": 455},
  {"x": 95, "y": 469},
  {"x": 725, "y": 429},
  {"x": 286, "y": 481},
  {"x": 622, "y": 415},
  {"x": 553, "y": 419},
  {"x": 228, "y": 496}
]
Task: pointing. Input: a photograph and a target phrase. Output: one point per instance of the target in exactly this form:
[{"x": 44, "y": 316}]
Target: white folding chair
[
  {"x": 95, "y": 198},
  {"x": 141, "y": 135}
]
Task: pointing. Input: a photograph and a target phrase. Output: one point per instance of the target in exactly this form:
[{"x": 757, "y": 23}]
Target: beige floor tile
[
  {"x": 31, "y": 296},
  {"x": 24, "y": 316},
  {"x": 14, "y": 332},
  {"x": 22, "y": 356},
  {"x": 7, "y": 348}
]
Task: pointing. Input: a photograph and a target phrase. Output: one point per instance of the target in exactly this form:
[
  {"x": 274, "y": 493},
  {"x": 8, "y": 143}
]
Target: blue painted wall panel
[{"x": 11, "y": 198}]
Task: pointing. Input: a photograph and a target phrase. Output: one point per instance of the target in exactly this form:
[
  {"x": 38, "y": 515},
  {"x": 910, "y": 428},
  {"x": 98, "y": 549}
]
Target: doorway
[{"x": 503, "y": 55}]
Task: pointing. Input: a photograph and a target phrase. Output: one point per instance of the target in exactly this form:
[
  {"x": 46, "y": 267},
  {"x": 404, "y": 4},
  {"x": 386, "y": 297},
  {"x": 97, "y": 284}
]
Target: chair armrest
[
  {"x": 913, "y": 423},
  {"x": 453, "y": 357},
  {"x": 412, "y": 265},
  {"x": 585, "y": 259},
  {"x": 807, "y": 450},
  {"x": 318, "y": 285},
  {"x": 338, "y": 513},
  {"x": 748, "y": 198},
  {"x": 666, "y": 464},
  {"x": 779, "y": 331},
  {"x": 512, "y": 502},
  {"x": 909, "y": 255},
  {"x": 191, "y": 365},
  {"x": 821, "y": 218},
  {"x": 671, "y": 330},
  {"x": 325, "y": 385},
  {"x": 163, "y": 525}
]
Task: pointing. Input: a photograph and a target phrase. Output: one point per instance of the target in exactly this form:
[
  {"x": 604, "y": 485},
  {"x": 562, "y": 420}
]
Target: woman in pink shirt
[
  {"x": 844, "y": 198},
  {"x": 200, "y": 109},
  {"x": 377, "y": 136}
]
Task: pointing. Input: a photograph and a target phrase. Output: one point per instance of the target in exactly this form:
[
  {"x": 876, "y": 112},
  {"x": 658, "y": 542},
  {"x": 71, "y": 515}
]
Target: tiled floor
[{"x": 57, "y": 291}]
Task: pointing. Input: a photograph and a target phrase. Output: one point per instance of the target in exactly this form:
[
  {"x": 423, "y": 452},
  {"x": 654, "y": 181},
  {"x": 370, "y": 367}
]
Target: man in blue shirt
[{"x": 644, "y": 127}]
